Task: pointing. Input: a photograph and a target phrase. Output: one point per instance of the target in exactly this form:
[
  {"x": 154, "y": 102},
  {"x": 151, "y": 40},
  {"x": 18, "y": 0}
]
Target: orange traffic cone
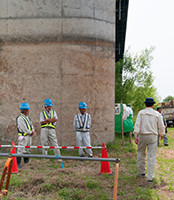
[
  {"x": 105, "y": 168},
  {"x": 14, "y": 167}
]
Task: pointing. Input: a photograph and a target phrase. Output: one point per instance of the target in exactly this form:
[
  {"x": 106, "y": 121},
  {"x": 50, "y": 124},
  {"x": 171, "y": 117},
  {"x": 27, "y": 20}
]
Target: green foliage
[
  {"x": 145, "y": 193},
  {"x": 102, "y": 196},
  {"x": 168, "y": 98},
  {"x": 92, "y": 184},
  {"x": 134, "y": 80},
  {"x": 54, "y": 166},
  {"x": 68, "y": 193},
  {"x": 15, "y": 181},
  {"x": 47, "y": 187},
  {"x": 171, "y": 187}
]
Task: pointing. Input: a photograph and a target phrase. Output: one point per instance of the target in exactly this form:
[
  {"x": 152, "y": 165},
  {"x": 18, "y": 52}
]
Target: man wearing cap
[
  {"x": 48, "y": 119},
  {"x": 25, "y": 132},
  {"x": 82, "y": 123},
  {"x": 148, "y": 123}
]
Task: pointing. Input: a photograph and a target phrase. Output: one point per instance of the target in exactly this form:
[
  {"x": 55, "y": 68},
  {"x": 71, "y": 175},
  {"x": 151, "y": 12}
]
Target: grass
[
  {"x": 165, "y": 167},
  {"x": 44, "y": 179}
]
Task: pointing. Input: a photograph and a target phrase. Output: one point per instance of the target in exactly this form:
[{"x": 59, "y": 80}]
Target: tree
[
  {"x": 134, "y": 80},
  {"x": 167, "y": 99}
]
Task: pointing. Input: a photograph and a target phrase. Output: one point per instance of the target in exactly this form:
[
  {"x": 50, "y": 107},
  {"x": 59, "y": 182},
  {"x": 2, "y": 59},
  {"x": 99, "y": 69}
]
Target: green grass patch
[
  {"x": 54, "y": 166},
  {"x": 93, "y": 184},
  {"x": 145, "y": 193},
  {"x": 68, "y": 194},
  {"x": 16, "y": 181}
]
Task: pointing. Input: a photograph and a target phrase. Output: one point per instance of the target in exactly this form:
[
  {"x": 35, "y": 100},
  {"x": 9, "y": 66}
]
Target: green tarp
[{"x": 127, "y": 123}]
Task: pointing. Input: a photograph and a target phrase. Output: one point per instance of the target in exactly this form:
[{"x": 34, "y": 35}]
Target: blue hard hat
[
  {"x": 48, "y": 102},
  {"x": 82, "y": 105},
  {"x": 24, "y": 106}
]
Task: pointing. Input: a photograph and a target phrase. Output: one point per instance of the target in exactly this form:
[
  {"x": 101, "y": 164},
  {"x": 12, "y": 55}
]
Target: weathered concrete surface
[
  {"x": 41, "y": 19},
  {"x": 58, "y": 49}
]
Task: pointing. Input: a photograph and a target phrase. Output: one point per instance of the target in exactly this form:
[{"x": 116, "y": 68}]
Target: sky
[{"x": 151, "y": 24}]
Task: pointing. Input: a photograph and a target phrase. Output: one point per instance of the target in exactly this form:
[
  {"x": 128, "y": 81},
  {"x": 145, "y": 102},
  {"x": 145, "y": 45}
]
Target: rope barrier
[{"x": 51, "y": 147}]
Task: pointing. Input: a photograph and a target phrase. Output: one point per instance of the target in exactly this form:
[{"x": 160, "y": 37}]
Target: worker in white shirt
[
  {"x": 148, "y": 123},
  {"x": 82, "y": 123},
  {"x": 48, "y": 119},
  {"x": 25, "y": 132}
]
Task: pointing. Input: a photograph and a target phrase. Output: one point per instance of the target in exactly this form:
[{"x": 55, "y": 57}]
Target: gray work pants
[
  {"x": 83, "y": 139},
  {"x": 149, "y": 142},
  {"x": 49, "y": 135},
  {"x": 27, "y": 141},
  {"x": 165, "y": 139}
]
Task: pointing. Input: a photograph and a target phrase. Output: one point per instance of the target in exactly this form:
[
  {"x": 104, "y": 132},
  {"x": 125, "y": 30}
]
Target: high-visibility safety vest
[
  {"x": 28, "y": 124},
  {"x": 83, "y": 126},
  {"x": 51, "y": 125}
]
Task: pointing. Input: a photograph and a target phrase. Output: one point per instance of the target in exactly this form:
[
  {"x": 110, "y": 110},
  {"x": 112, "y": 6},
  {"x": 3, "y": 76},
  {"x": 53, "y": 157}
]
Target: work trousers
[
  {"x": 49, "y": 135},
  {"x": 165, "y": 139},
  {"x": 149, "y": 142},
  {"x": 83, "y": 139},
  {"x": 27, "y": 141}
]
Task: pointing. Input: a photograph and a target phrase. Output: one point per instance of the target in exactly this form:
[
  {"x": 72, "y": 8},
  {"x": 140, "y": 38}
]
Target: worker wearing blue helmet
[
  {"x": 48, "y": 119},
  {"x": 82, "y": 123},
  {"x": 25, "y": 132}
]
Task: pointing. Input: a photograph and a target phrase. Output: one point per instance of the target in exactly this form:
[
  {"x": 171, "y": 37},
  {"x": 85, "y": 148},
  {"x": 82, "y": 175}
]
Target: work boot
[
  {"x": 143, "y": 175},
  {"x": 26, "y": 160},
  {"x": 19, "y": 162},
  {"x": 150, "y": 181}
]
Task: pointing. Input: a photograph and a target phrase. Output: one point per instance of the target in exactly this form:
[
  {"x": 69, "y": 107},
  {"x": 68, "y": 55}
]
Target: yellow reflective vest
[
  {"x": 28, "y": 124},
  {"x": 46, "y": 117}
]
